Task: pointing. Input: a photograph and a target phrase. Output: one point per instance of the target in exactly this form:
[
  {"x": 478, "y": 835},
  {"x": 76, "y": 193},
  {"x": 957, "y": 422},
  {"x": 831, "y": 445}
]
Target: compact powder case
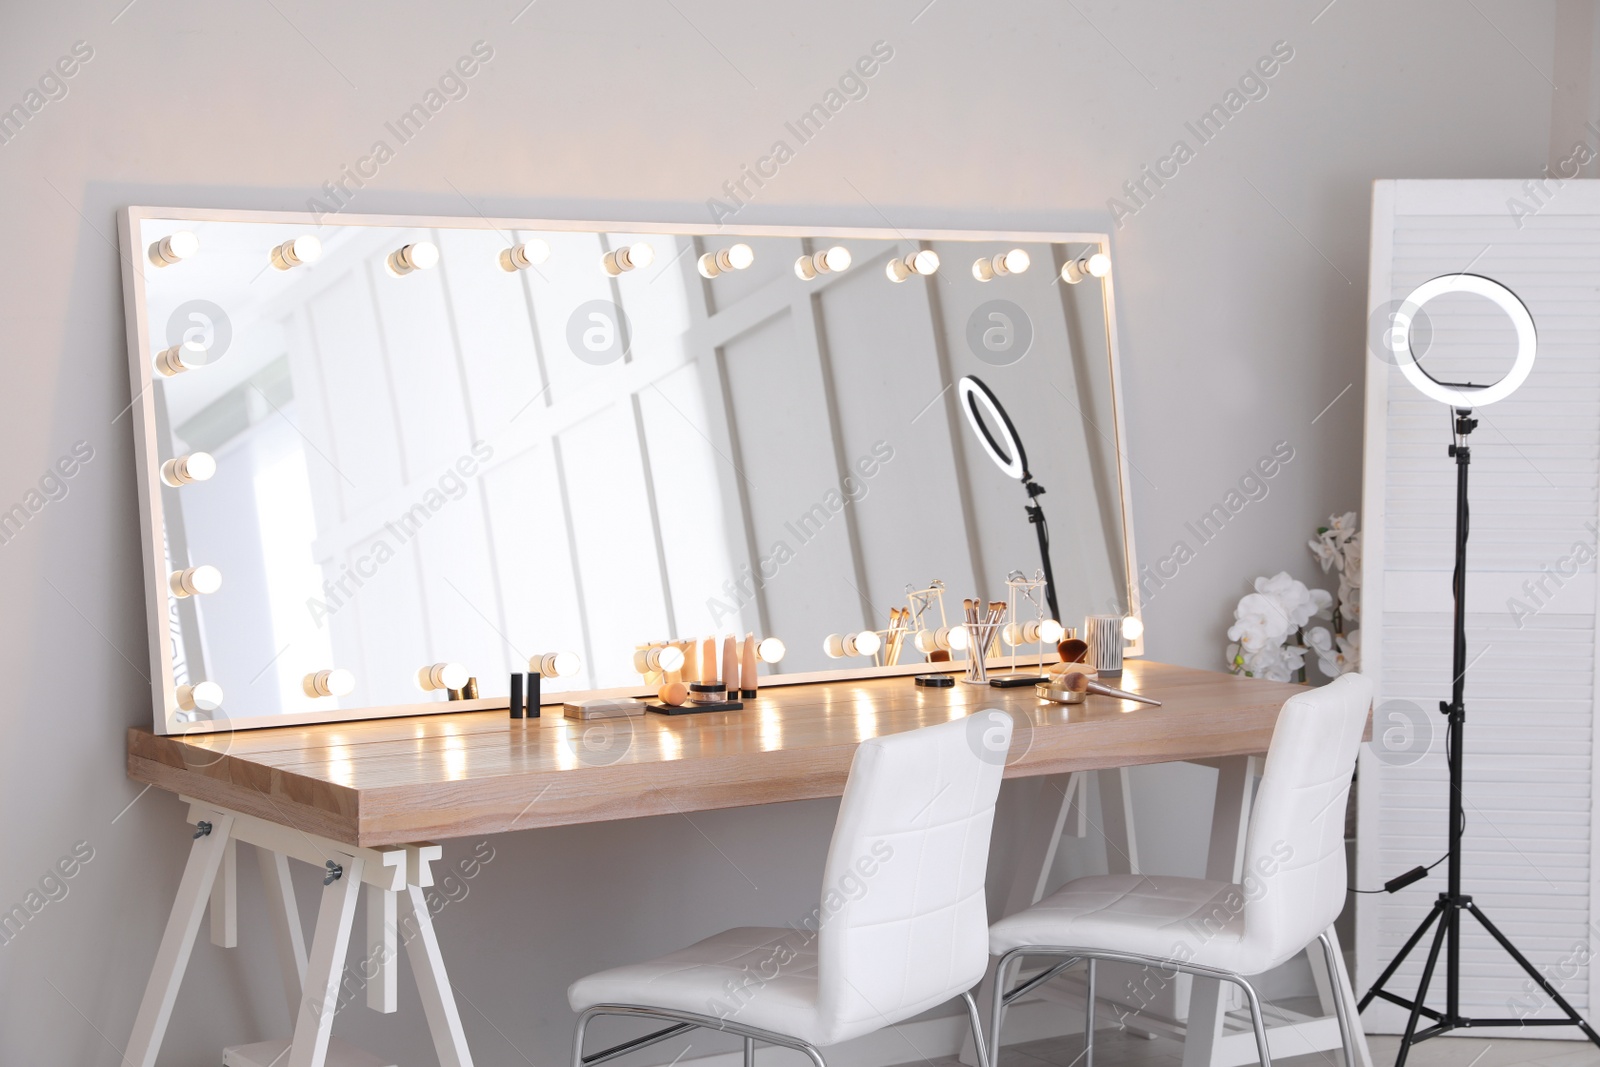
[
  {"x": 935, "y": 681},
  {"x": 707, "y": 693},
  {"x": 1059, "y": 694}
]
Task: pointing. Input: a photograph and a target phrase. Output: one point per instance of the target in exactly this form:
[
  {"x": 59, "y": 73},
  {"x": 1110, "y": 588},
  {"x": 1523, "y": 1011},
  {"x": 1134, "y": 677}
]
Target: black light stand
[
  {"x": 1447, "y": 909},
  {"x": 1042, "y": 528}
]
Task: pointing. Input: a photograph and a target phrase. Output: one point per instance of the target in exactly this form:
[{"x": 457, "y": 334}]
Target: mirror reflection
[{"x": 392, "y": 458}]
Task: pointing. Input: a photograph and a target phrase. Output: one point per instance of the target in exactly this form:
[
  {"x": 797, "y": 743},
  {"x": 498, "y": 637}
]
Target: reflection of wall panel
[
  {"x": 609, "y": 508},
  {"x": 690, "y": 506},
  {"x": 886, "y": 382},
  {"x": 464, "y": 618},
  {"x": 572, "y": 277},
  {"x": 365, "y": 437},
  {"x": 490, "y": 315},
  {"x": 384, "y": 657},
  {"x": 423, "y": 370},
  {"x": 780, "y": 414},
  {"x": 531, "y": 553}
]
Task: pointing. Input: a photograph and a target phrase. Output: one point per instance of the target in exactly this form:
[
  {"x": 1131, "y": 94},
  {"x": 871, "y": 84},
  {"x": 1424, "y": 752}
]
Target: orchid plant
[
  {"x": 1337, "y": 546},
  {"x": 1269, "y": 635}
]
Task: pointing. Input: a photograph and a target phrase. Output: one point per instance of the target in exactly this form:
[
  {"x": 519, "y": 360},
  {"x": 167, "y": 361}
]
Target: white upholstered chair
[
  {"x": 1292, "y": 890},
  {"x": 901, "y": 925}
]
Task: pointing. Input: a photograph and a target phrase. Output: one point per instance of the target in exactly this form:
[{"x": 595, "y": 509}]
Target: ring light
[
  {"x": 1463, "y": 394},
  {"x": 1013, "y": 461}
]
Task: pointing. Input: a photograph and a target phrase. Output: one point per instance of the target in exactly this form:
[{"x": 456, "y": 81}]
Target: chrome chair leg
[
  {"x": 1339, "y": 1008},
  {"x": 1256, "y": 1019},
  {"x": 1088, "y": 1017},
  {"x": 973, "y": 1020},
  {"x": 749, "y": 1052}
]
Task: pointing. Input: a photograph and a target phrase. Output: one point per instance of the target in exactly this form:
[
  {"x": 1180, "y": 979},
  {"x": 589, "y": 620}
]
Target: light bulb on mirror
[
  {"x": 1095, "y": 265},
  {"x": 173, "y": 361},
  {"x": 944, "y": 639},
  {"x": 658, "y": 658},
  {"x": 337, "y": 682},
  {"x": 770, "y": 650},
  {"x": 174, "y": 248},
  {"x": 1133, "y": 627},
  {"x": 419, "y": 255},
  {"x": 185, "y": 470},
  {"x": 201, "y": 696},
  {"x": 734, "y": 257},
  {"x": 865, "y": 643},
  {"x": 441, "y": 676},
  {"x": 924, "y": 262},
  {"x": 524, "y": 256},
  {"x": 827, "y": 261},
  {"x": 195, "y": 581},
  {"x": 631, "y": 257},
  {"x": 292, "y": 253},
  {"x": 1051, "y": 631},
  {"x": 555, "y": 664},
  {"x": 1032, "y": 632}
]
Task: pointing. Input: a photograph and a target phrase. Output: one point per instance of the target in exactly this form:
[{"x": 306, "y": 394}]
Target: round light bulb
[
  {"x": 837, "y": 258},
  {"x": 555, "y": 664},
  {"x": 1017, "y": 260},
  {"x": 1011, "y": 634},
  {"x": 1099, "y": 265},
  {"x": 1051, "y": 631},
  {"x": 833, "y": 646},
  {"x": 927, "y": 642},
  {"x": 983, "y": 270},
  {"x": 641, "y": 254},
  {"x": 195, "y": 581},
  {"x": 956, "y": 636},
  {"x": 896, "y": 270},
  {"x": 201, "y": 696},
  {"x": 805, "y": 269},
  {"x": 307, "y": 249},
  {"x": 182, "y": 245},
  {"x": 770, "y": 650},
  {"x": 867, "y": 643},
  {"x": 1133, "y": 627},
  {"x": 332, "y": 683},
  {"x": 924, "y": 262},
  {"x": 741, "y": 256},
  {"x": 438, "y": 676},
  {"x": 182, "y": 470},
  {"x": 670, "y": 658},
  {"x": 423, "y": 255}
]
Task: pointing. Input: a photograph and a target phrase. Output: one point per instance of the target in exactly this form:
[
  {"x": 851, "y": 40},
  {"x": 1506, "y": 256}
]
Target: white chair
[
  {"x": 1293, "y": 886},
  {"x": 901, "y": 926}
]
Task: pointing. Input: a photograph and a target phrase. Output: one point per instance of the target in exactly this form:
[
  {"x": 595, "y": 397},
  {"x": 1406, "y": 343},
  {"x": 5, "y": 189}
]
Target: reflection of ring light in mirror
[
  {"x": 294, "y": 252},
  {"x": 1463, "y": 394},
  {"x": 972, "y": 394},
  {"x": 1012, "y": 460},
  {"x": 183, "y": 470},
  {"x": 195, "y": 581},
  {"x": 437, "y": 676},
  {"x": 523, "y": 256},
  {"x": 770, "y": 650},
  {"x": 337, "y": 682},
  {"x": 174, "y": 248},
  {"x": 555, "y": 664},
  {"x": 419, "y": 255},
  {"x": 202, "y": 696}
]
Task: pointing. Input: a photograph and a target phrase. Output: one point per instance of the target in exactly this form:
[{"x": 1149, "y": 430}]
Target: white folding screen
[{"x": 1531, "y": 819}]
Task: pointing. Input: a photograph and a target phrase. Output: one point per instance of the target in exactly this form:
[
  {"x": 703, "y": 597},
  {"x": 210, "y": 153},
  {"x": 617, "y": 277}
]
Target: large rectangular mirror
[{"x": 370, "y": 445}]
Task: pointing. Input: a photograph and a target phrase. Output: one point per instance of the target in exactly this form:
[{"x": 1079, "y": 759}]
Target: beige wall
[{"x": 1240, "y": 282}]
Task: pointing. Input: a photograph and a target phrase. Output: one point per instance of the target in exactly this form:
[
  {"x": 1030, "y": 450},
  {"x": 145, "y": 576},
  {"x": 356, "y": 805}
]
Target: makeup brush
[
  {"x": 1072, "y": 650},
  {"x": 1082, "y": 683}
]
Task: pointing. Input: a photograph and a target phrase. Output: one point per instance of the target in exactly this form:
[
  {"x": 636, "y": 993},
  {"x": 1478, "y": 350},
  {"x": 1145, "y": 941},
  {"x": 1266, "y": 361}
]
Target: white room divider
[{"x": 1531, "y": 599}]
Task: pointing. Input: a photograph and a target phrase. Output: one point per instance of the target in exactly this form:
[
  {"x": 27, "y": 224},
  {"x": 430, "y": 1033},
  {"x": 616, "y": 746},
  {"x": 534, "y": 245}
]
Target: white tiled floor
[{"x": 1121, "y": 1049}]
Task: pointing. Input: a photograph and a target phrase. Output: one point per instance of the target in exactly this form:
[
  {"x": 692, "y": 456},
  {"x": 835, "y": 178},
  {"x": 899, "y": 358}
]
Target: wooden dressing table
[{"x": 365, "y": 800}]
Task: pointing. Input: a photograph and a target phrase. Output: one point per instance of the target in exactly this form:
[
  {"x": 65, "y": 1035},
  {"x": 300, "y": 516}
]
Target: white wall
[{"x": 1241, "y": 286}]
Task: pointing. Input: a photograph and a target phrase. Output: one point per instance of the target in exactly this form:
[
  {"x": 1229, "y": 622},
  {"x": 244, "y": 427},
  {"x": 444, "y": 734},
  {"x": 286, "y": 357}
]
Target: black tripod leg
[
  {"x": 1533, "y": 973},
  {"x": 1399, "y": 958},
  {"x": 1422, "y": 990}
]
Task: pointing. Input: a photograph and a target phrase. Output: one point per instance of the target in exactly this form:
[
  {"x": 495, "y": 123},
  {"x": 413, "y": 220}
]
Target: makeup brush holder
[
  {"x": 1103, "y": 635},
  {"x": 980, "y": 635}
]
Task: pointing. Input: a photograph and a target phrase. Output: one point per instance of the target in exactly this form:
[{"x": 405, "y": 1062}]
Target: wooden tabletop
[{"x": 396, "y": 781}]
